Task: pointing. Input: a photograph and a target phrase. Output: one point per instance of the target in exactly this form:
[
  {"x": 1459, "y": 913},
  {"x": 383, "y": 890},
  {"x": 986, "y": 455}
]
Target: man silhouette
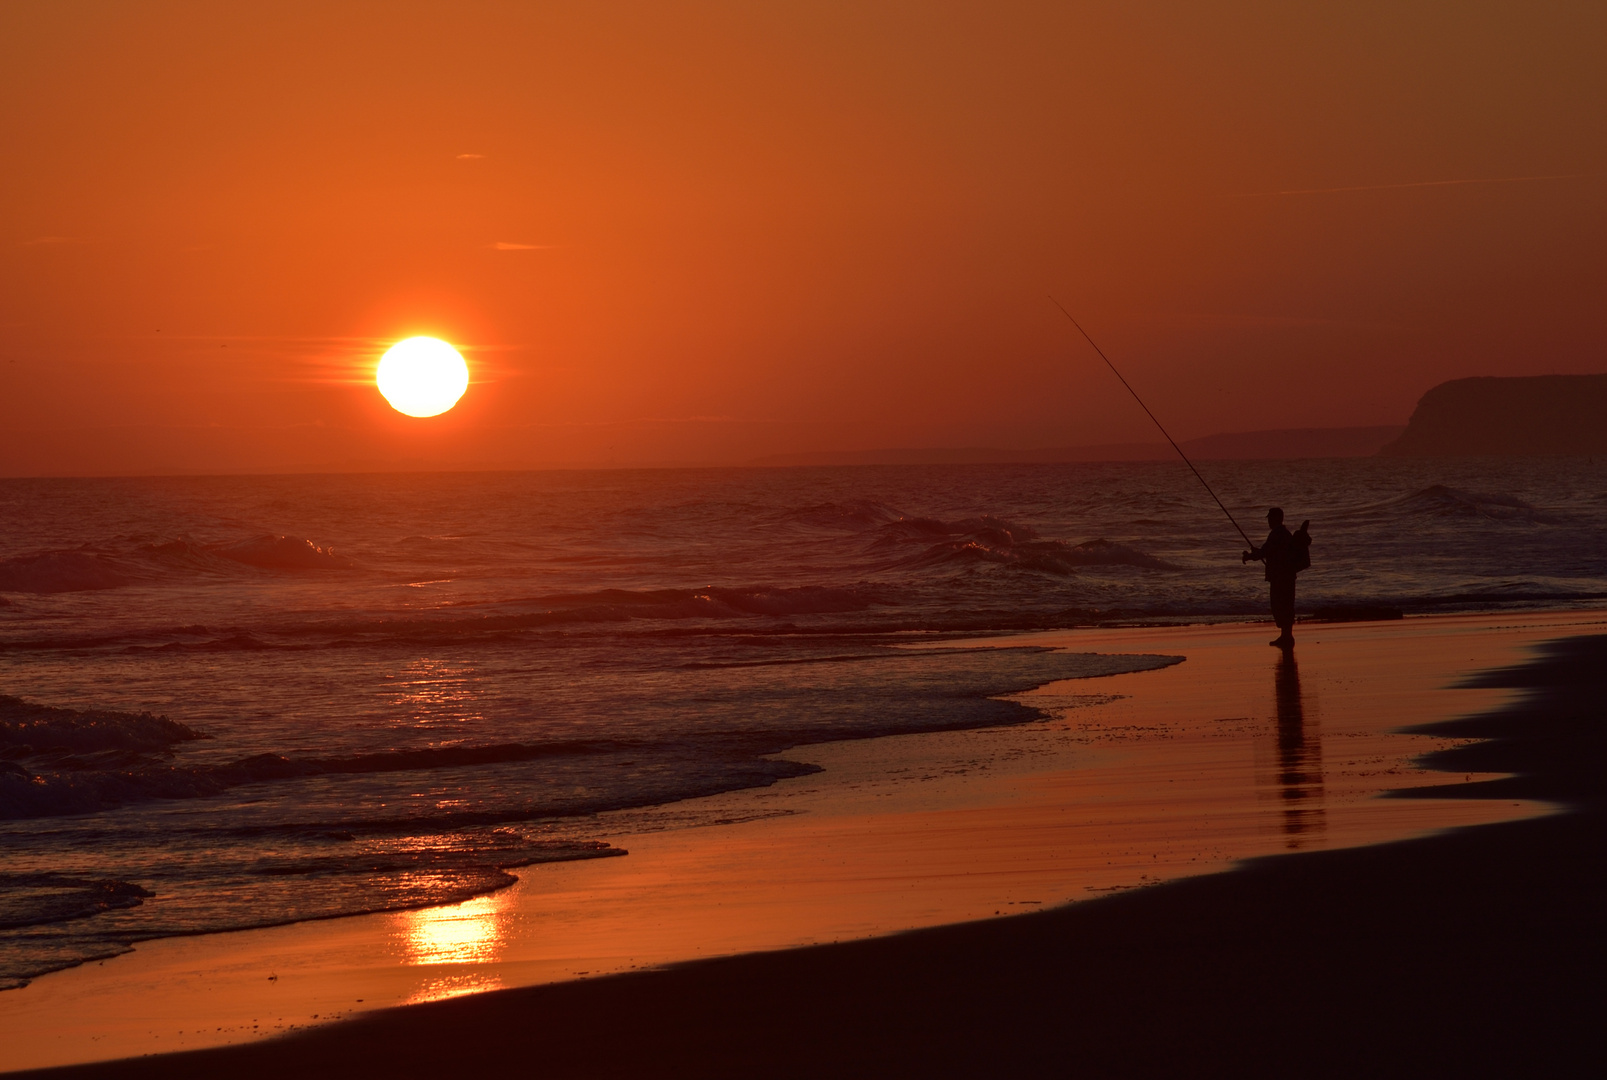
[{"x": 1284, "y": 555}]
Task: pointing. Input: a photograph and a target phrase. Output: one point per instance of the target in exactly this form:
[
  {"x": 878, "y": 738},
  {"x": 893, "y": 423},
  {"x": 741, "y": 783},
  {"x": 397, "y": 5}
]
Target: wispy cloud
[
  {"x": 508, "y": 245},
  {"x": 471, "y": 157},
  {"x": 1417, "y": 184},
  {"x": 42, "y": 241}
]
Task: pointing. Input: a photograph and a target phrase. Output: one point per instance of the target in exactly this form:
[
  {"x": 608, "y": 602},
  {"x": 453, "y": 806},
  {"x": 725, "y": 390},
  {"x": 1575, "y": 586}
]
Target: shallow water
[{"x": 385, "y": 691}]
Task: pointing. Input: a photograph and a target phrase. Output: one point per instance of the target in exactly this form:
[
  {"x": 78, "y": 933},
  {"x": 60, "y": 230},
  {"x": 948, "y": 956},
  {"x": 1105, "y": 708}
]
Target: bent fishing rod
[{"x": 1151, "y": 415}]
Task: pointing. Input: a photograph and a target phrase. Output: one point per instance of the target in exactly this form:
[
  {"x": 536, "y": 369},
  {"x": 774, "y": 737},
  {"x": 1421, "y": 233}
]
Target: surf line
[{"x": 1151, "y": 415}]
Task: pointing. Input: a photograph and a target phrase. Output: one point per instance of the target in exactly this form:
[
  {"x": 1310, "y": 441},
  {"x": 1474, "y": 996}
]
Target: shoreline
[{"x": 1010, "y": 781}]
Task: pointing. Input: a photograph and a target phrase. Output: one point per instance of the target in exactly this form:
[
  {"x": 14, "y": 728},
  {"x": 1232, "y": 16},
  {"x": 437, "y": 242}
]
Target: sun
[{"x": 422, "y": 376}]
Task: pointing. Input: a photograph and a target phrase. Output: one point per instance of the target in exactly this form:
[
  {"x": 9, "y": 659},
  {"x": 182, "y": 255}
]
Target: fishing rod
[{"x": 1151, "y": 415}]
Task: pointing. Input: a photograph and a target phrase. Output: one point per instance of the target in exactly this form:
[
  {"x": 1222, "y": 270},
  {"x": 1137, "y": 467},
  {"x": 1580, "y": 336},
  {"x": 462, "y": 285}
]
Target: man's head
[{"x": 1275, "y": 517}]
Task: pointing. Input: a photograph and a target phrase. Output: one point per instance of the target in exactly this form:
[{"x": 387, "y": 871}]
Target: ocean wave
[
  {"x": 240, "y": 642},
  {"x": 63, "y": 761},
  {"x": 60, "y": 767},
  {"x": 278, "y": 767},
  {"x": 41, "y": 898},
  {"x": 284, "y": 553},
  {"x": 53, "y": 769},
  {"x": 1043, "y": 556},
  {"x": 59, "y": 571},
  {"x": 714, "y": 602},
  {"x": 122, "y": 562},
  {"x": 1110, "y": 553},
  {"x": 1440, "y": 500},
  {"x": 28, "y": 729},
  {"x": 62, "y": 788},
  {"x": 180, "y": 555}
]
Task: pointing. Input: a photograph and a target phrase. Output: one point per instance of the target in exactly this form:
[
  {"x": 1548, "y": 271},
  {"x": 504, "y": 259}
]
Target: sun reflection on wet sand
[{"x": 459, "y": 941}]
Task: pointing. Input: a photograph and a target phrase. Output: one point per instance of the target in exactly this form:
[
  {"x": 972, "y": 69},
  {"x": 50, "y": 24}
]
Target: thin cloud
[
  {"x": 40, "y": 241},
  {"x": 471, "y": 157},
  {"x": 507, "y": 245},
  {"x": 1396, "y": 187}
]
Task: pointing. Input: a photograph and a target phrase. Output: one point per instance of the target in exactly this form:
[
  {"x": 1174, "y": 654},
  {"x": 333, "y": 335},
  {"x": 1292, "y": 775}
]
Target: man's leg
[{"x": 1283, "y": 610}]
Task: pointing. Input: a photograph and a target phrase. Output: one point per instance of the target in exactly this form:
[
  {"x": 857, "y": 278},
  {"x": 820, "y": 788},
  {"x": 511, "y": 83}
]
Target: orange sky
[{"x": 669, "y": 233}]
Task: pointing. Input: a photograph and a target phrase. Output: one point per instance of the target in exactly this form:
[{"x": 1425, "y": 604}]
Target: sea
[{"x": 231, "y": 702}]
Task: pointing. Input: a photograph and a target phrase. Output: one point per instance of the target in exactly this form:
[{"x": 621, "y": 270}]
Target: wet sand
[{"x": 1227, "y": 756}]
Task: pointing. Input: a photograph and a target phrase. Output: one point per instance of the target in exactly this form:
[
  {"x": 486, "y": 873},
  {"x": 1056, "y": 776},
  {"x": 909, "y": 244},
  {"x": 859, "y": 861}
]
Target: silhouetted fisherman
[{"x": 1285, "y": 554}]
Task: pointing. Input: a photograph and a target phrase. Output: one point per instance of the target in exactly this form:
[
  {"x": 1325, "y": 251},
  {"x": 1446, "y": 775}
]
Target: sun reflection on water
[{"x": 432, "y": 691}]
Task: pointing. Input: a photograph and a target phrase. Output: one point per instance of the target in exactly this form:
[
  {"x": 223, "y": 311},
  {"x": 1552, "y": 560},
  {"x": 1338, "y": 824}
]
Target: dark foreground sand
[{"x": 1474, "y": 952}]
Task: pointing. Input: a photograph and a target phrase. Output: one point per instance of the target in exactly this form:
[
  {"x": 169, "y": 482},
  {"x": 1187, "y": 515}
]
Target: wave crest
[{"x": 284, "y": 553}]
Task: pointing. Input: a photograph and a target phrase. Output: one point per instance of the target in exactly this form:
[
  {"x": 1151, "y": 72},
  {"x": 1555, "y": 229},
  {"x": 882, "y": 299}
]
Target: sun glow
[{"x": 422, "y": 376}]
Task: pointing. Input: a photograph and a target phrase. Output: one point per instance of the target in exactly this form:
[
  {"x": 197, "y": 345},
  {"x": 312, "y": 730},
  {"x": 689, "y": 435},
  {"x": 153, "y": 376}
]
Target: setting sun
[{"x": 422, "y": 376}]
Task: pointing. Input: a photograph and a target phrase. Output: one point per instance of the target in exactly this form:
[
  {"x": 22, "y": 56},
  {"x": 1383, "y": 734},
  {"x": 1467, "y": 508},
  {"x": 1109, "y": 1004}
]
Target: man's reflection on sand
[{"x": 1299, "y": 758}]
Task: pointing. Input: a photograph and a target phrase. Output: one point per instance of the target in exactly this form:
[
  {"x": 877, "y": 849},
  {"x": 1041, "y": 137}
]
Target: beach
[
  {"x": 730, "y": 539},
  {"x": 859, "y": 911}
]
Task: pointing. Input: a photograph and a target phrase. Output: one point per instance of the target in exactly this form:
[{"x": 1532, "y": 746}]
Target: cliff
[{"x": 1540, "y": 415}]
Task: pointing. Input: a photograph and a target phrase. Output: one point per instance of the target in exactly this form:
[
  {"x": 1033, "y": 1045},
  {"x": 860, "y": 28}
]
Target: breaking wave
[
  {"x": 1020, "y": 551},
  {"x": 984, "y": 538},
  {"x": 284, "y": 553},
  {"x": 29, "y": 729}
]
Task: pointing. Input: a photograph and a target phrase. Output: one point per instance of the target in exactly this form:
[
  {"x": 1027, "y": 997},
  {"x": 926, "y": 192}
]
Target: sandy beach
[
  {"x": 741, "y": 539},
  {"x": 1160, "y": 776}
]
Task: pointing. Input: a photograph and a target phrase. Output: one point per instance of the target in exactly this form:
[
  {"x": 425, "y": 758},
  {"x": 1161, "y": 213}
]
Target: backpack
[{"x": 1300, "y": 552}]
